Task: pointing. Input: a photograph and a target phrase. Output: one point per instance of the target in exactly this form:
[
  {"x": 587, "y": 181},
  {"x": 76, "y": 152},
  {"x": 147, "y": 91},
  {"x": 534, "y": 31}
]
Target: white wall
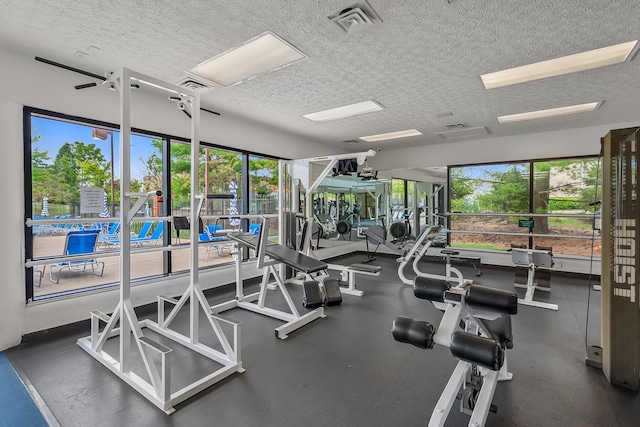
[{"x": 12, "y": 304}]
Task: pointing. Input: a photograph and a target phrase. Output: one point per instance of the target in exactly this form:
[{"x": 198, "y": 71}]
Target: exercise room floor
[{"x": 346, "y": 369}]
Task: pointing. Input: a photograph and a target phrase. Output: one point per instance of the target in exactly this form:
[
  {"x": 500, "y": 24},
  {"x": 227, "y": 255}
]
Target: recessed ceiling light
[
  {"x": 564, "y": 65},
  {"x": 391, "y": 135},
  {"x": 541, "y": 114},
  {"x": 344, "y": 111},
  {"x": 262, "y": 54}
]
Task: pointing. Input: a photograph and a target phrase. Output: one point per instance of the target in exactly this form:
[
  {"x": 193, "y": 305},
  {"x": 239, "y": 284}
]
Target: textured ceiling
[{"x": 423, "y": 59}]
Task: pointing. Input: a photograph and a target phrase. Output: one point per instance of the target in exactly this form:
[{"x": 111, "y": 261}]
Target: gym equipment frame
[
  {"x": 480, "y": 346},
  {"x": 532, "y": 259},
  {"x": 419, "y": 249},
  {"x": 620, "y": 259},
  {"x": 270, "y": 257},
  {"x": 158, "y": 390}
]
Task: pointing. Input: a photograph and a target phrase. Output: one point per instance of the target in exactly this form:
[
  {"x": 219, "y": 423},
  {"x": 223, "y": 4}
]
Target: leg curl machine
[{"x": 476, "y": 327}]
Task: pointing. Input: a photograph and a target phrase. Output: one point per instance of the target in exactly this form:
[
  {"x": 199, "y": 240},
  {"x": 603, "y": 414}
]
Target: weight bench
[
  {"x": 532, "y": 259},
  {"x": 480, "y": 348},
  {"x": 270, "y": 256},
  {"x": 348, "y": 276}
]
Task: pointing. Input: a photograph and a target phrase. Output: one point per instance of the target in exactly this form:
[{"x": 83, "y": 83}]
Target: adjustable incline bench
[
  {"x": 476, "y": 326},
  {"x": 270, "y": 256}
]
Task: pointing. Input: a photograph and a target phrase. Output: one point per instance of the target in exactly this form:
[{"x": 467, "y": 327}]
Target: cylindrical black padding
[
  {"x": 492, "y": 299},
  {"x": 430, "y": 289},
  {"x": 413, "y": 332},
  {"x": 343, "y": 227},
  {"x": 398, "y": 230},
  {"x": 500, "y": 330},
  {"x": 477, "y": 350}
]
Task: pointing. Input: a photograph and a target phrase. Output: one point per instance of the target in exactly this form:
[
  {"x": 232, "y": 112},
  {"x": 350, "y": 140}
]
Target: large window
[
  {"x": 71, "y": 157},
  {"x": 537, "y": 203}
]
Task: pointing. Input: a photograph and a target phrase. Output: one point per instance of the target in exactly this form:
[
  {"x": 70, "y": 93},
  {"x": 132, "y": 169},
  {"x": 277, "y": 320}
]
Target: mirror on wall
[{"x": 346, "y": 204}]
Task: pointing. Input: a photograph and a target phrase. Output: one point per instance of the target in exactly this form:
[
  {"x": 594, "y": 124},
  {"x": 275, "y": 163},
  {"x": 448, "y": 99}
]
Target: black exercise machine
[{"x": 476, "y": 327}]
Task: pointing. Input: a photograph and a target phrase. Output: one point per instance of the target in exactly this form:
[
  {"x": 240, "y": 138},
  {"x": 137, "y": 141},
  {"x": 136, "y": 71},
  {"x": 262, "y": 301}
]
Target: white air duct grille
[
  {"x": 349, "y": 19},
  {"x": 191, "y": 83},
  {"x": 463, "y": 133}
]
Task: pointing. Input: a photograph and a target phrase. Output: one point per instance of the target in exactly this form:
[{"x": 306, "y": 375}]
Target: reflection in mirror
[{"x": 402, "y": 201}]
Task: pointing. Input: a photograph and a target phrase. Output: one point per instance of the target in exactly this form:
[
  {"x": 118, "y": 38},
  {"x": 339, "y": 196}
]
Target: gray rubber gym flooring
[{"x": 346, "y": 369}]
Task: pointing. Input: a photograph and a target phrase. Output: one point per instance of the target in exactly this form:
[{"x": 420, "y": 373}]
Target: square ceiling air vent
[
  {"x": 355, "y": 17},
  {"x": 463, "y": 133},
  {"x": 191, "y": 83}
]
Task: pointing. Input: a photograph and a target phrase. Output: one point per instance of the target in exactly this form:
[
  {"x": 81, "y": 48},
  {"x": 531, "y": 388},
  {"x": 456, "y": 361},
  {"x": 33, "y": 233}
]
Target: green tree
[
  {"x": 460, "y": 187},
  {"x": 80, "y": 164},
  {"x": 508, "y": 190}
]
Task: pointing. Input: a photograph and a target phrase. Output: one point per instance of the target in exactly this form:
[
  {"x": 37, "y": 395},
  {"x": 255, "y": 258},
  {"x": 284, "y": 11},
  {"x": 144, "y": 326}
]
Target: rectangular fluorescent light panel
[
  {"x": 260, "y": 55},
  {"x": 391, "y": 135},
  {"x": 344, "y": 111},
  {"x": 541, "y": 114},
  {"x": 555, "y": 67}
]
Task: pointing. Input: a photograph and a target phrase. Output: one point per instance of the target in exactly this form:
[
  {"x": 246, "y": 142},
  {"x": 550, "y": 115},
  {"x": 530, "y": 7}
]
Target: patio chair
[
  {"x": 78, "y": 243},
  {"x": 152, "y": 240},
  {"x": 217, "y": 242}
]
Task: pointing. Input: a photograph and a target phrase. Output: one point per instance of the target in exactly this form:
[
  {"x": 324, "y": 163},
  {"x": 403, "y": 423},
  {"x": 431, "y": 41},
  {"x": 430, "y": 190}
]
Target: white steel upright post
[
  {"x": 125, "y": 225},
  {"x": 193, "y": 256}
]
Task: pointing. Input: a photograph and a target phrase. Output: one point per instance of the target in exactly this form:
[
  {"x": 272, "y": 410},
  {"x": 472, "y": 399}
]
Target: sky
[{"x": 55, "y": 133}]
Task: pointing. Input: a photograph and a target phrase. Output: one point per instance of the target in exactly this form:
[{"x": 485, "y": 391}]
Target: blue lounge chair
[
  {"x": 77, "y": 243},
  {"x": 142, "y": 235},
  {"x": 254, "y": 229},
  {"x": 151, "y": 240},
  {"x": 217, "y": 242}
]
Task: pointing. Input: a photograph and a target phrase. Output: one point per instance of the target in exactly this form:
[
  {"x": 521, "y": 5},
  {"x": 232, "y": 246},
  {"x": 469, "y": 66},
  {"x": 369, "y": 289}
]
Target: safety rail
[
  {"x": 526, "y": 231},
  {"x": 524, "y": 234},
  {"x": 116, "y": 253}
]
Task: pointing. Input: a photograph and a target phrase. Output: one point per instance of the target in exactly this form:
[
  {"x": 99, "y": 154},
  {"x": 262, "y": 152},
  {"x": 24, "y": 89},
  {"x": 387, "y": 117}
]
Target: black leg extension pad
[
  {"x": 312, "y": 294},
  {"x": 430, "y": 289},
  {"x": 413, "y": 332},
  {"x": 499, "y": 300},
  {"x": 477, "y": 350},
  {"x": 332, "y": 294}
]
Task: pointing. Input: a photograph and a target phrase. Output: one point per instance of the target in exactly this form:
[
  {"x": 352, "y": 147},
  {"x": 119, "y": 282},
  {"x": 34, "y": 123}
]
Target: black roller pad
[
  {"x": 477, "y": 350},
  {"x": 430, "y": 289},
  {"x": 332, "y": 294},
  {"x": 312, "y": 294},
  {"x": 414, "y": 332},
  {"x": 498, "y": 300}
]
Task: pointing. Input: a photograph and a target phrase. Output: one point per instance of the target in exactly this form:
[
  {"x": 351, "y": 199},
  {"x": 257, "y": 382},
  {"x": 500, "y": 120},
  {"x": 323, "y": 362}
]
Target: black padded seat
[
  {"x": 449, "y": 252},
  {"x": 430, "y": 289},
  {"x": 498, "y": 300},
  {"x": 500, "y": 330},
  {"x": 477, "y": 350}
]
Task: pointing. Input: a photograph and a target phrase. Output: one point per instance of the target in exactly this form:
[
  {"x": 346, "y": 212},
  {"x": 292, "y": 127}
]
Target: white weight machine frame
[
  {"x": 533, "y": 258},
  {"x": 456, "y": 309},
  {"x": 158, "y": 390},
  {"x": 256, "y": 302},
  {"x": 418, "y": 250}
]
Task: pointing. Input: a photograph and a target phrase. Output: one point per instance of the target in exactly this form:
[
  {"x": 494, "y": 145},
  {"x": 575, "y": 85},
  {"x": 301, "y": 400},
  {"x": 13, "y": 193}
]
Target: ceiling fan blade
[
  {"x": 67, "y": 67},
  {"x": 86, "y": 85}
]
